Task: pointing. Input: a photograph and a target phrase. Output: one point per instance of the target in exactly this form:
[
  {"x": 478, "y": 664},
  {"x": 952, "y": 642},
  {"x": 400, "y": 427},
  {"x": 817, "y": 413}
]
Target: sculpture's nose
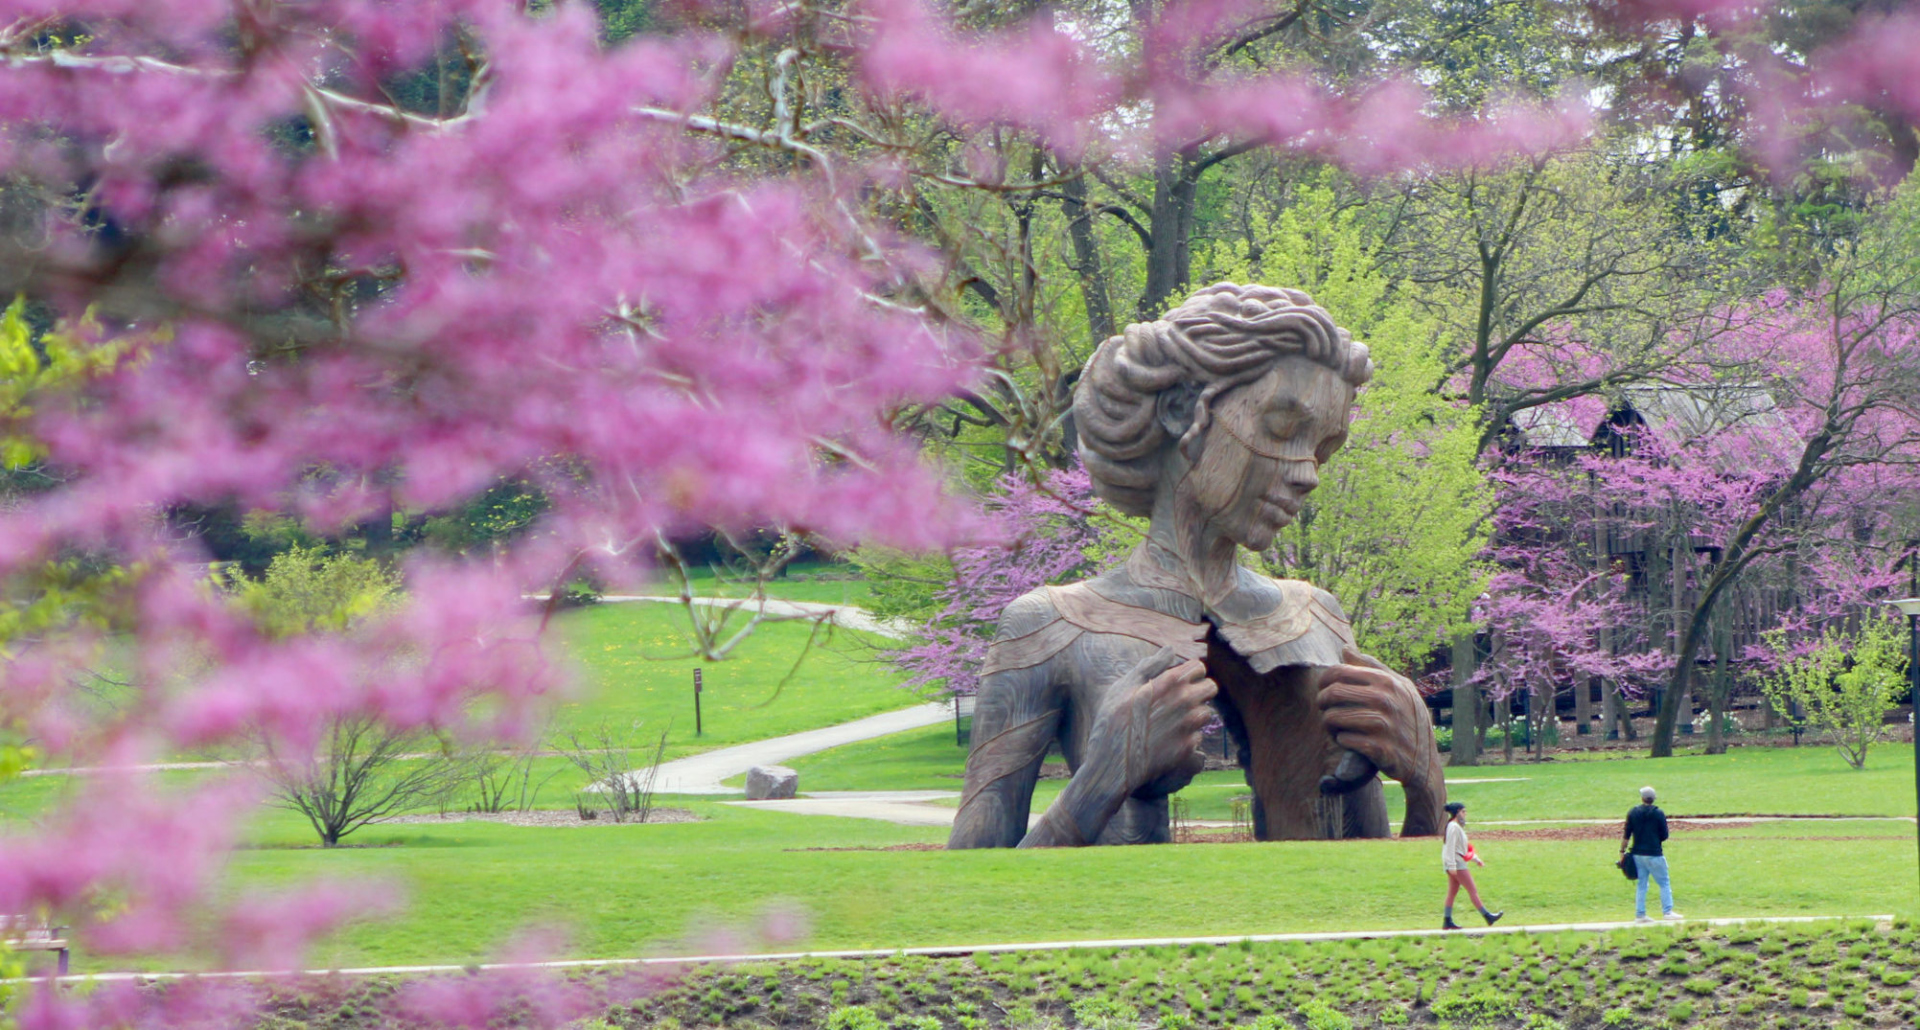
[{"x": 1302, "y": 475}]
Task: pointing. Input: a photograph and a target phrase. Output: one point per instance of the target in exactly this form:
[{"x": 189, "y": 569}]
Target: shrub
[
  {"x": 1102, "y": 1012},
  {"x": 1681, "y": 1011},
  {"x": 918, "y": 1023},
  {"x": 1618, "y": 1016},
  {"x": 1895, "y": 977},
  {"x": 1482, "y": 1007},
  {"x": 854, "y": 1017},
  {"x": 1700, "y": 985},
  {"x": 1797, "y": 997},
  {"x": 1542, "y": 1021},
  {"x": 1321, "y": 1016}
]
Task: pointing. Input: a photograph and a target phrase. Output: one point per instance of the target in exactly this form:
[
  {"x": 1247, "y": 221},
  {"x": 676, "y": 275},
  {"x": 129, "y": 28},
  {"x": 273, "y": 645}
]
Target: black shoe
[
  {"x": 1449, "y": 924},
  {"x": 1492, "y": 917}
]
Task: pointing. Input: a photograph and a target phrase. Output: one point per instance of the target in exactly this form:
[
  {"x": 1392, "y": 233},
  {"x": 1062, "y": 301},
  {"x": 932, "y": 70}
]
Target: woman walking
[{"x": 1454, "y": 856}]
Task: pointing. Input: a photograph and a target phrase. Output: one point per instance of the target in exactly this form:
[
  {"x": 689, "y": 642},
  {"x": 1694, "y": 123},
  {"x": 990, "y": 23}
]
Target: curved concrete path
[
  {"x": 702, "y": 773},
  {"x": 852, "y": 616}
]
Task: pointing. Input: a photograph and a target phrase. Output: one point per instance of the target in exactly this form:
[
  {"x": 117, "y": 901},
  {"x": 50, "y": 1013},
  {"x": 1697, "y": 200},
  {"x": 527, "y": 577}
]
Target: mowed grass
[
  {"x": 628, "y": 890},
  {"x": 635, "y": 666},
  {"x": 1806, "y": 780},
  {"x": 924, "y": 759}
]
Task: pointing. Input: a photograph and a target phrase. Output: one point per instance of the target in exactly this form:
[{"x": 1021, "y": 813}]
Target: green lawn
[
  {"x": 635, "y": 666},
  {"x": 922, "y": 759},
  {"x": 628, "y": 672},
  {"x": 1746, "y": 781},
  {"x": 624, "y": 890}
]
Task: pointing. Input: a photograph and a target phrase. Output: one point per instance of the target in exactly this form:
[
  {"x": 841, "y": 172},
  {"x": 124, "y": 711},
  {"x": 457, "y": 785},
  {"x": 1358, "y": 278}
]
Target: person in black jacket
[{"x": 1646, "y": 828}]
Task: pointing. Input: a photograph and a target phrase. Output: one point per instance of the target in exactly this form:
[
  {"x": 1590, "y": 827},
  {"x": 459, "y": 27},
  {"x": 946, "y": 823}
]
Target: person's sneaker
[
  {"x": 1492, "y": 917},
  {"x": 1642, "y": 921},
  {"x": 1449, "y": 924},
  {"x": 1674, "y": 916}
]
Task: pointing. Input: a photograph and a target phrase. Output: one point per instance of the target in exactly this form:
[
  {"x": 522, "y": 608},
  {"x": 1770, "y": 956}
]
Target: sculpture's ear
[{"x": 1174, "y": 406}]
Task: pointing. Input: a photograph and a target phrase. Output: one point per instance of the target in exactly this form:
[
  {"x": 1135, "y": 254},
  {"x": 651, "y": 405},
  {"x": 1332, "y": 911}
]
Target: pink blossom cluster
[
  {"x": 334, "y": 303},
  {"x": 1042, "y": 78},
  {"x": 1040, "y": 534},
  {"x": 1690, "y": 489}
]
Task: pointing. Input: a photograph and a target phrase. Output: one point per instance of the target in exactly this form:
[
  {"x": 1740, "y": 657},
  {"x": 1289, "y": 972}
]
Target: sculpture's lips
[{"x": 1285, "y": 502}]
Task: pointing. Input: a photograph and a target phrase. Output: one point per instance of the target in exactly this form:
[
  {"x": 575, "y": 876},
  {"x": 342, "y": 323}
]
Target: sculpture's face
[{"x": 1264, "y": 447}]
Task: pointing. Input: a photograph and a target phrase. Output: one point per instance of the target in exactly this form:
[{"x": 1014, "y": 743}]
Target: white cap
[{"x": 1646, "y": 793}]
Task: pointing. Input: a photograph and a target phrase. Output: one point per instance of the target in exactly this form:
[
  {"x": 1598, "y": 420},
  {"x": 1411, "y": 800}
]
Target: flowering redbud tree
[{"x": 1042, "y": 534}]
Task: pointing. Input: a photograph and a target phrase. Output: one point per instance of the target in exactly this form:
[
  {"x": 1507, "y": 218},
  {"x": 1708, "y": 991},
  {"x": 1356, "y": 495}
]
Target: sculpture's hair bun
[{"x": 1220, "y": 337}]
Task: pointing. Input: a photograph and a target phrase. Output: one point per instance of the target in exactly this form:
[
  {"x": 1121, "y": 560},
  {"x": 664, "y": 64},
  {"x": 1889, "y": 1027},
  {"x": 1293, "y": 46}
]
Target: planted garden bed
[{"x": 1788, "y": 976}]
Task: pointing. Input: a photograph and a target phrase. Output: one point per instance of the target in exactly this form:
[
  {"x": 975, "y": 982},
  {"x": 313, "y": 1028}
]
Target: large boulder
[{"x": 771, "y": 783}]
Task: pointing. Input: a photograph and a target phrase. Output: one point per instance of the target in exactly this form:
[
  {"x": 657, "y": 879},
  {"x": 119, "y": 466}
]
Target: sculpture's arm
[
  {"x": 1149, "y": 730},
  {"x": 1015, "y": 716},
  {"x": 1378, "y": 714}
]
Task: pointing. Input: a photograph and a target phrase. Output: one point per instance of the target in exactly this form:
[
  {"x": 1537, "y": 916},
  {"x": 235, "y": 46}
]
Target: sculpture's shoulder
[
  {"x": 1032, "y": 631},
  {"x": 1113, "y": 604},
  {"x": 1030, "y": 611}
]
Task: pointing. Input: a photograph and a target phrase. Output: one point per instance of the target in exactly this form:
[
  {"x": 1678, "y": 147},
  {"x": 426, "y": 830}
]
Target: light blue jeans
[{"x": 1651, "y": 867}]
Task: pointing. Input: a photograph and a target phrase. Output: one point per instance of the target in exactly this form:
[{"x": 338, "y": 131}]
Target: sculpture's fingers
[
  {"x": 1344, "y": 695},
  {"x": 1357, "y": 720},
  {"x": 1354, "y": 769},
  {"x": 1151, "y": 667}
]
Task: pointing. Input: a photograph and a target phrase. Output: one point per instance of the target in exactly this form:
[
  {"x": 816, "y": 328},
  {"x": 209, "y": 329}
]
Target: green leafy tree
[
  {"x": 1399, "y": 517},
  {"x": 306, "y": 590},
  {"x": 1844, "y": 685},
  {"x": 31, "y": 368}
]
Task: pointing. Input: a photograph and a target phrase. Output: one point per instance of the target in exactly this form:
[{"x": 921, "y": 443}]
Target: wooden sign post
[{"x": 697, "y": 730}]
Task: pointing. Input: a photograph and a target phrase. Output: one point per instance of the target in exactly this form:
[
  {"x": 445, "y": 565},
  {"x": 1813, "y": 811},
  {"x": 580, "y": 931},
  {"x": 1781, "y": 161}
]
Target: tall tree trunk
[
  {"x": 1506, "y": 728},
  {"x": 1582, "y": 706},
  {"x": 1169, "y": 259},
  {"x": 1466, "y": 704},
  {"x": 1086, "y": 258},
  {"x": 1722, "y": 686}
]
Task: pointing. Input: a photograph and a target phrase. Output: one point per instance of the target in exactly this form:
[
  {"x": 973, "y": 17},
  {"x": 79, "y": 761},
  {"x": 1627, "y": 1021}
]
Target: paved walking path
[
  {"x": 960, "y": 950},
  {"x": 851, "y": 616},
  {"x": 702, "y": 773}
]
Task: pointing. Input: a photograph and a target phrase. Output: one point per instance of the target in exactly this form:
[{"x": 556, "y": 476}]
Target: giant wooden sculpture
[{"x": 1212, "y": 422}]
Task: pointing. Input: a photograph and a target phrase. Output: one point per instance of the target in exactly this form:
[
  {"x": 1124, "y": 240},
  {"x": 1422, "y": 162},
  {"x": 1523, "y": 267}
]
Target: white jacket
[{"x": 1453, "y": 854}]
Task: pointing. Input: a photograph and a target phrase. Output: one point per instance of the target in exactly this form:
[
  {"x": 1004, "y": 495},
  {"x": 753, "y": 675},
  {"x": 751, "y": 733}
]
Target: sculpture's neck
[{"x": 1181, "y": 548}]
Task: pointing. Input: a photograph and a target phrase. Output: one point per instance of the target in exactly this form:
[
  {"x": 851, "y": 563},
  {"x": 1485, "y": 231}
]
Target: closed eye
[{"x": 1328, "y": 446}]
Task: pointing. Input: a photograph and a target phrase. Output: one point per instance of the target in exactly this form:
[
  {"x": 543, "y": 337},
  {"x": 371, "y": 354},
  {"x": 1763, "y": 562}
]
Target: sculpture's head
[{"x": 1235, "y": 398}]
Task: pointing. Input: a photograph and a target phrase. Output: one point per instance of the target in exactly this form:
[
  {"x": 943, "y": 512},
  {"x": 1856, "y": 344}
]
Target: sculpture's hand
[
  {"x": 1146, "y": 738},
  {"x": 1381, "y": 719},
  {"x": 1154, "y": 729}
]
